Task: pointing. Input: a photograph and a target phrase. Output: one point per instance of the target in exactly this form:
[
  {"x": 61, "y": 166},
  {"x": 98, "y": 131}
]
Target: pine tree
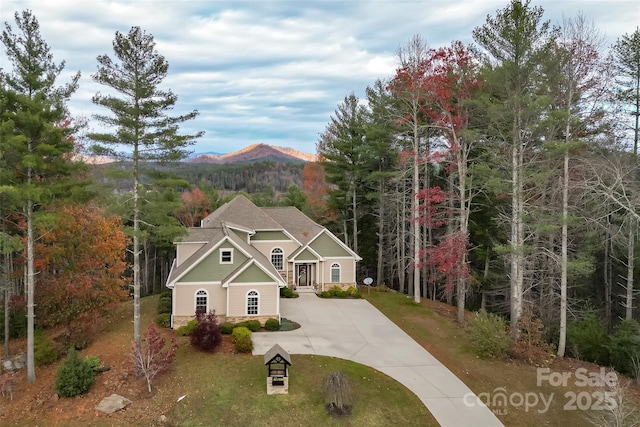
[
  {"x": 35, "y": 144},
  {"x": 144, "y": 130}
]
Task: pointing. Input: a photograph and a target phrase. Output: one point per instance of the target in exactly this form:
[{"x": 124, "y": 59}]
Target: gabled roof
[
  {"x": 243, "y": 212},
  {"x": 275, "y": 351},
  {"x": 300, "y": 226},
  {"x": 217, "y": 236}
]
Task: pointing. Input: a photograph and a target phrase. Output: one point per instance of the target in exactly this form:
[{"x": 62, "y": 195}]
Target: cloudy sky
[{"x": 274, "y": 71}]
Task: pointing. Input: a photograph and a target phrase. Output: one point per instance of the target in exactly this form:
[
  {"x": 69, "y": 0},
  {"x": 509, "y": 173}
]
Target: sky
[{"x": 273, "y": 72}]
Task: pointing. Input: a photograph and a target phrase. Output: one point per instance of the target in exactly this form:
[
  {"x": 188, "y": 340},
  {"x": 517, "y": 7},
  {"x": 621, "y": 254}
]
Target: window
[
  {"x": 226, "y": 256},
  {"x": 335, "y": 273},
  {"x": 252, "y": 302},
  {"x": 277, "y": 258},
  {"x": 201, "y": 301}
]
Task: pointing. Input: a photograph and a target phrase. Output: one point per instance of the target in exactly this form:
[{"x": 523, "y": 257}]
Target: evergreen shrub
[
  {"x": 74, "y": 377},
  {"x": 186, "y": 330},
  {"x": 272, "y": 325}
]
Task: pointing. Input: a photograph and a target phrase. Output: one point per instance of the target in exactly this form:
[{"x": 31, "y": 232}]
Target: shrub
[
  {"x": 252, "y": 325},
  {"x": 488, "y": 335},
  {"x": 94, "y": 362},
  {"x": 164, "y": 305},
  {"x": 187, "y": 329},
  {"x": 353, "y": 292},
  {"x": 587, "y": 339},
  {"x": 74, "y": 377},
  {"x": 326, "y": 294},
  {"x": 240, "y": 332},
  {"x": 227, "y": 328},
  {"x": 44, "y": 353},
  {"x": 244, "y": 345},
  {"x": 531, "y": 345},
  {"x": 206, "y": 335},
  {"x": 337, "y": 394},
  {"x": 163, "y": 320},
  {"x": 272, "y": 325},
  {"x": 624, "y": 347},
  {"x": 288, "y": 293}
]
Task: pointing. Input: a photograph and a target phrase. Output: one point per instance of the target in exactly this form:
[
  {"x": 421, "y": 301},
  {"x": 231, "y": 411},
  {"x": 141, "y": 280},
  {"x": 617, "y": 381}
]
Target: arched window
[
  {"x": 202, "y": 301},
  {"x": 335, "y": 273},
  {"x": 277, "y": 258},
  {"x": 252, "y": 302}
]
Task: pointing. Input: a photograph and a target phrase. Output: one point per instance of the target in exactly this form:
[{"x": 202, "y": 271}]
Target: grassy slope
[
  {"x": 433, "y": 326},
  {"x": 221, "y": 389}
]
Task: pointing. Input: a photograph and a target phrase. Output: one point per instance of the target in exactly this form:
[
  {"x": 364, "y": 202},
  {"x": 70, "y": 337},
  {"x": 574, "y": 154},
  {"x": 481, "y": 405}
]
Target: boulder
[{"x": 113, "y": 403}]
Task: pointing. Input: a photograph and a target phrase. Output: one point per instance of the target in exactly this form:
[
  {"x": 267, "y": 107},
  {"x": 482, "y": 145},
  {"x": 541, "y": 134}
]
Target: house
[{"x": 241, "y": 255}]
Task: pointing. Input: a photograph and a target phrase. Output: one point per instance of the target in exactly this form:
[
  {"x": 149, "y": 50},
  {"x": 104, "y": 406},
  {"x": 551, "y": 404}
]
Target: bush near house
[
  {"x": 272, "y": 325},
  {"x": 288, "y": 293},
  {"x": 165, "y": 303},
  {"x": 240, "y": 332},
  {"x": 186, "y": 330},
  {"x": 206, "y": 335},
  {"x": 252, "y": 325},
  {"x": 337, "y": 292},
  {"x": 163, "y": 320},
  {"x": 227, "y": 328}
]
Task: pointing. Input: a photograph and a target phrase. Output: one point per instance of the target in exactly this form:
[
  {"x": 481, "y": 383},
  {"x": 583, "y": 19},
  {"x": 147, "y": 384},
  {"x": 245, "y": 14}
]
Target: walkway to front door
[{"x": 355, "y": 330}]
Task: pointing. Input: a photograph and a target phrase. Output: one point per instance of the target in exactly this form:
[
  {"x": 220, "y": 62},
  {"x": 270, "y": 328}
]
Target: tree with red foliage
[
  {"x": 316, "y": 189},
  {"x": 153, "y": 357},
  {"x": 196, "y": 207},
  {"x": 81, "y": 259},
  {"x": 206, "y": 336},
  {"x": 452, "y": 83}
]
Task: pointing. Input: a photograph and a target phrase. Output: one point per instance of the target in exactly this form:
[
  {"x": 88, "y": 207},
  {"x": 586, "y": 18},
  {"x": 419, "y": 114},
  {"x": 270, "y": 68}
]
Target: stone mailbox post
[{"x": 277, "y": 361}]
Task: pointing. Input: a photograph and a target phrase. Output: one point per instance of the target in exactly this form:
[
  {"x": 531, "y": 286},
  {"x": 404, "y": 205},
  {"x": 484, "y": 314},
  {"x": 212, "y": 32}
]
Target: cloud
[{"x": 272, "y": 71}]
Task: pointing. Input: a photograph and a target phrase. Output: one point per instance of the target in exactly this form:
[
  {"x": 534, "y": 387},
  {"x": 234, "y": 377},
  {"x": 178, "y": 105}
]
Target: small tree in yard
[
  {"x": 206, "y": 336},
  {"x": 152, "y": 358},
  {"x": 75, "y": 376},
  {"x": 337, "y": 394}
]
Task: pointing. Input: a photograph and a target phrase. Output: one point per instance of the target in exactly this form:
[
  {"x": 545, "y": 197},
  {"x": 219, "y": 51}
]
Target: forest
[{"x": 500, "y": 175}]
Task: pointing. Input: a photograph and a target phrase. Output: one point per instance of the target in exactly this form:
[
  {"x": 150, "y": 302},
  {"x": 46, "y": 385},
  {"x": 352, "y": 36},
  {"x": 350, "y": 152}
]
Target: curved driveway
[{"x": 355, "y": 330}]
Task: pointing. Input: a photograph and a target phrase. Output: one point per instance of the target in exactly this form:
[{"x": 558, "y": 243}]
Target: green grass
[
  {"x": 433, "y": 326},
  {"x": 231, "y": 391}
]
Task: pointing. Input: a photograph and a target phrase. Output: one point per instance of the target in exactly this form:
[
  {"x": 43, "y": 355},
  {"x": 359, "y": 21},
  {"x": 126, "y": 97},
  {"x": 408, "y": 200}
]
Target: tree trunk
[
  {"x": 608, "y": 272},
  {"x": 31, "y": 367},
  {"x": 415, "y": 214},
  {"x": 381, "y": 205},
  {"x": 136, "y": 258},
  {"x": 628, "y": 314},
  {"x": 562, "y": 341},
  {"x": 354, "y": 202}
]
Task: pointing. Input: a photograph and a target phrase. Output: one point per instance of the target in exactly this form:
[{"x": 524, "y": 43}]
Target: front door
[{"x": 303, "y": 275}]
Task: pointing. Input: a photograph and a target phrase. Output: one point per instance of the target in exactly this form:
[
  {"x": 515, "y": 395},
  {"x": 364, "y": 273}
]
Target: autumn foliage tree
[
  {"x": 81, "y": 262},
  {"x": 154, "y": 356},
  {"x": 195, "y": 208},
  {"x": 316, "y": 189}
]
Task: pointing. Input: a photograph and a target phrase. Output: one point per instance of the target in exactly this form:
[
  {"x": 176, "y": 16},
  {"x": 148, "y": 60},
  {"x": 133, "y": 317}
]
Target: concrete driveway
[{"x": 357, "y": 331}]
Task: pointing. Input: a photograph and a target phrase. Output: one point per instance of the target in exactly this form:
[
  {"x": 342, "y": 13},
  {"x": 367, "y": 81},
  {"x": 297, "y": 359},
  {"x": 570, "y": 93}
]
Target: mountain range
[
  {"x": 251, "y": 154},
  {"x": 254, "y": 153}
]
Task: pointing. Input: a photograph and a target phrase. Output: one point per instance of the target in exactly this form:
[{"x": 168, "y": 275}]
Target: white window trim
[
  {"x": 246, "y": 302},
  {"x": 195, "y": 299},
  {"x": 226, "y": 250},
  {"x": 271, "y": 258},
  {"x": 334, "y": 264}
]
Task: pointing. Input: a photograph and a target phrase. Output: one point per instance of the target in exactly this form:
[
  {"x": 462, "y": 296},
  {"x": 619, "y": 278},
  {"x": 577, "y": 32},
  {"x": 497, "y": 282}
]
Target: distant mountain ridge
[{"x": 255, "y": 153}]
